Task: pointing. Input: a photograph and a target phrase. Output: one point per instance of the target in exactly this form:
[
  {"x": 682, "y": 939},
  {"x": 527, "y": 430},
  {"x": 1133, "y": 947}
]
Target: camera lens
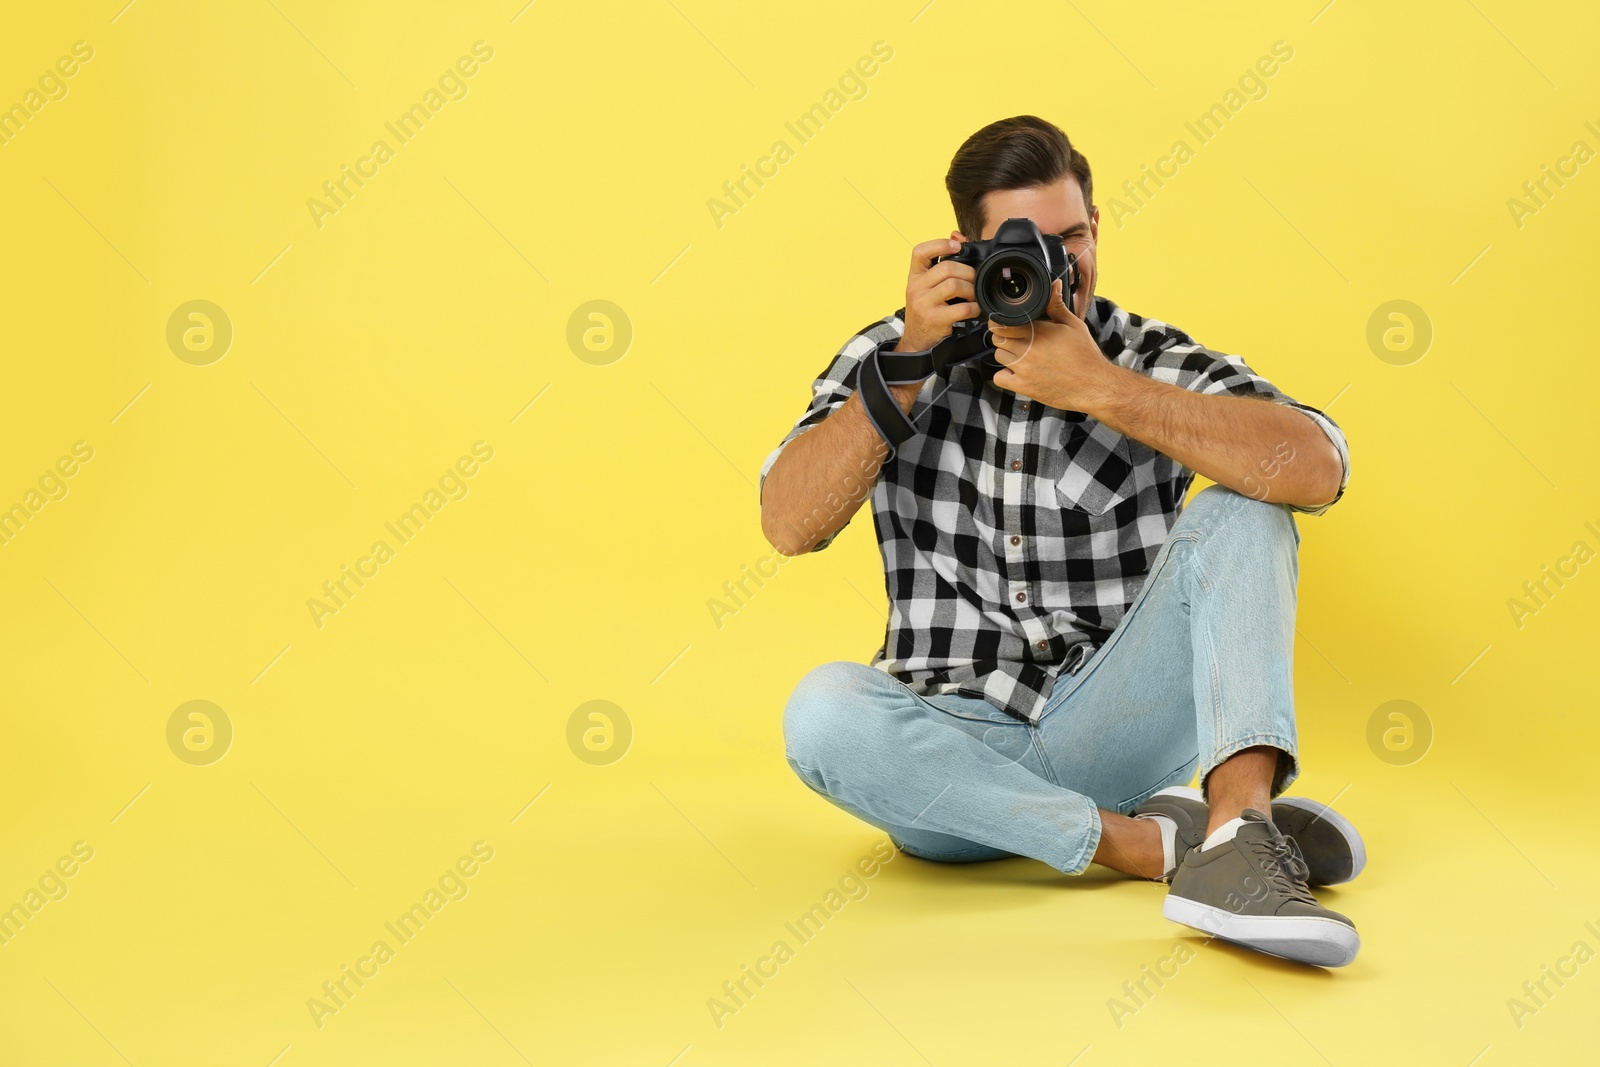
[
  {"x": 1013, "y": 285},
  {"x": 1013, "y": 288}
]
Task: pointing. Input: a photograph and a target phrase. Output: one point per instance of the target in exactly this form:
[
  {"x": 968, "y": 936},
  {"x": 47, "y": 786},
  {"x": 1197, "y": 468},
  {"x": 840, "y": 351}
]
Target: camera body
[{"x": 1015, "y": 269}]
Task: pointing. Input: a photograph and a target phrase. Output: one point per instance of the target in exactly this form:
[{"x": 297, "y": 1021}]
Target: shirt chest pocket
[{"x": 1096, "y": 466}]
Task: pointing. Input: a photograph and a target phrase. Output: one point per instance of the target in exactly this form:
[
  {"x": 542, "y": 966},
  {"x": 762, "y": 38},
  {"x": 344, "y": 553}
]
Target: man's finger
[
  {"x": 949, "y": 268},
  {"x": 923, "y": 255},
  {"x": 1058, "y": 310},
  {"x": 951, "y": 314},
  {"x": 950, "y": 287}
]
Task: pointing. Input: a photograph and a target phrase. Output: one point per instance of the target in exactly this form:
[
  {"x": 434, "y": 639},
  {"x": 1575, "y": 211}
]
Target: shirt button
[
  {"x": 1016, "y": 540},
  {"x": 1026, "y": 405},
  {"x": 1022, "y": 598},
  {"x": 1016, "y": 464},
  {"x": 1044, "y": 646}
]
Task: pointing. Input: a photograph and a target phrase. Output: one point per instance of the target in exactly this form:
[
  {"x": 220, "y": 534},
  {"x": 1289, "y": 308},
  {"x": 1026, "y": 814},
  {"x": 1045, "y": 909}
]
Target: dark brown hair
[{"x": 1014, "y": 153}]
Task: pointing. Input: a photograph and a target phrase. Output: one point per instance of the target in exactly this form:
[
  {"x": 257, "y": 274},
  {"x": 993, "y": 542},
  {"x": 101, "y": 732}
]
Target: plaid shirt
[{"x": 1015, "y": 536}]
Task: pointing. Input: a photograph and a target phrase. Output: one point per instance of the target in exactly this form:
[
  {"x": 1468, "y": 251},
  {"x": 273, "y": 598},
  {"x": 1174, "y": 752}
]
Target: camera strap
[{"x": 884, "y": 367}]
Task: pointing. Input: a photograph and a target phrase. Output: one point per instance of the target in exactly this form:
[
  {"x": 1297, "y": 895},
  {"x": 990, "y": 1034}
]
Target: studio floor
[{"x": 726, "y": 915}]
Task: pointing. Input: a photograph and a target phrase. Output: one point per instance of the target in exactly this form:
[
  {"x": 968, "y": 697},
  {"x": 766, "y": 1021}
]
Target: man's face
[{"x": 1057, "y": 209}]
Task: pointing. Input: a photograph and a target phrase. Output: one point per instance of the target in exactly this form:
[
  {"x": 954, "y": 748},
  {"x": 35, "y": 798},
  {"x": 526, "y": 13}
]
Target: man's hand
[
  {"x": 1056, "y": 362},
  {"x": 928, "y": 317}
]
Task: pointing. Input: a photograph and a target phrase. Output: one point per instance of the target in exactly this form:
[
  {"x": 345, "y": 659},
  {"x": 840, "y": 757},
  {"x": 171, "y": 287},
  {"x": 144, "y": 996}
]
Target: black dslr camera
[{"x": 1015, "y": 268}]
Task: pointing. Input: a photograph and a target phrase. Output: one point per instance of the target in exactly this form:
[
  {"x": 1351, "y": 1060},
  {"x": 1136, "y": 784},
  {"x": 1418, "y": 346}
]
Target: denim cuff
[{"x": 1287, "y": 771}]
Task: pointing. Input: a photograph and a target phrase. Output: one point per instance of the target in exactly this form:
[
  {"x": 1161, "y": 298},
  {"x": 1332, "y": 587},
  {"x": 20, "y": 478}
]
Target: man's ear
[
  {"x": 957, "y": 235},
  {"x": 1094, "y": 225}
]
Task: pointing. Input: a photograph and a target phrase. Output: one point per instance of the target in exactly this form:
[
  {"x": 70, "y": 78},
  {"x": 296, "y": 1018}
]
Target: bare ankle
[
  {"x": 1243, "y": 780},
  {"x": 1132, "y": 846}
]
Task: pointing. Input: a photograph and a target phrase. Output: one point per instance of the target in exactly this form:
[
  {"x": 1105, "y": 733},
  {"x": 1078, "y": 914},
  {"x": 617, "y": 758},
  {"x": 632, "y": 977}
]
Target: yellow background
[{"x": 368, "y": 354}]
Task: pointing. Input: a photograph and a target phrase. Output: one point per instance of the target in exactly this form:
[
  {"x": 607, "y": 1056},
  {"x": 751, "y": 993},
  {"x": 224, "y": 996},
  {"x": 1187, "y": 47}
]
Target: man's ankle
[
  {"x": 1219, "y": 815},
  {"x": 1243, "y": 780},
  {"x": 1134, "y": 847}
]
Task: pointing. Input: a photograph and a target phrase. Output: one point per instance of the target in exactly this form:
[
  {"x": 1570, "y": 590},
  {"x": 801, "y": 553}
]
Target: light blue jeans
[{"x": 1198, "y": 669}]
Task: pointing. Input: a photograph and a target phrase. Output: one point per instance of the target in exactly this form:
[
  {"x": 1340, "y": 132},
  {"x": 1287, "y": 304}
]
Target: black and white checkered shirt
[{"x": 1015, "y": 536}]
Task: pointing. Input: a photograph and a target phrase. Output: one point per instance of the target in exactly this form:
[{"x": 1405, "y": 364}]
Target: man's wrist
[
  {"x": 910, "y": 343},
  {"x": 1114, "y": 388},
  {"x": 906, "y": 394}
]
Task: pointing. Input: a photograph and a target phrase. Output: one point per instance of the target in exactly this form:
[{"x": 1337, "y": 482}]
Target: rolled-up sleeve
[
  {"x": 831, "y": 389},
  {"x": 1183, "y": 362},
  {"x": 1335, "y": 435}
]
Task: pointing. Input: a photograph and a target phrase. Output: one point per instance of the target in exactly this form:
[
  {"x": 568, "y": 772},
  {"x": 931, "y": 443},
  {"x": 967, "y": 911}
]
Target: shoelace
[{"x": 1285, "y": 866}]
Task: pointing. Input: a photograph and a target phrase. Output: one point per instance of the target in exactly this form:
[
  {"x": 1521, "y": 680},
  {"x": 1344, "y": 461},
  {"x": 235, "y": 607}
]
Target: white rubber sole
[
  {"x": 1346, "y": 828},
  {"x": 1322, "y": 942}
]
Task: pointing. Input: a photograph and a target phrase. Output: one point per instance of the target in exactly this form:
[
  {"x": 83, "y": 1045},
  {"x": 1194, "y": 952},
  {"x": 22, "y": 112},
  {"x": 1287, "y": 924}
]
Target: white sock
[
  {"x": 1222, "y": 833},
  {"x": 1169, "y": 841}
]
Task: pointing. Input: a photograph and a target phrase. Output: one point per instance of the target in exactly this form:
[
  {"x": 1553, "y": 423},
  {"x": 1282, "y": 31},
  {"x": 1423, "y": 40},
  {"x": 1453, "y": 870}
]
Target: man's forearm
[
  {"x": 822, "y": 477},
  {"x": 1262, "y": 449}
]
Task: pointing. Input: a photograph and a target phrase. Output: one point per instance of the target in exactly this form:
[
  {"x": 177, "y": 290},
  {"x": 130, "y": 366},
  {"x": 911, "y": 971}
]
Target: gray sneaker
[
  {"x": 1188, "y": 812},
  {"x": 1329, "y": 842},
  {"x": 1252, "y": 891}
]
